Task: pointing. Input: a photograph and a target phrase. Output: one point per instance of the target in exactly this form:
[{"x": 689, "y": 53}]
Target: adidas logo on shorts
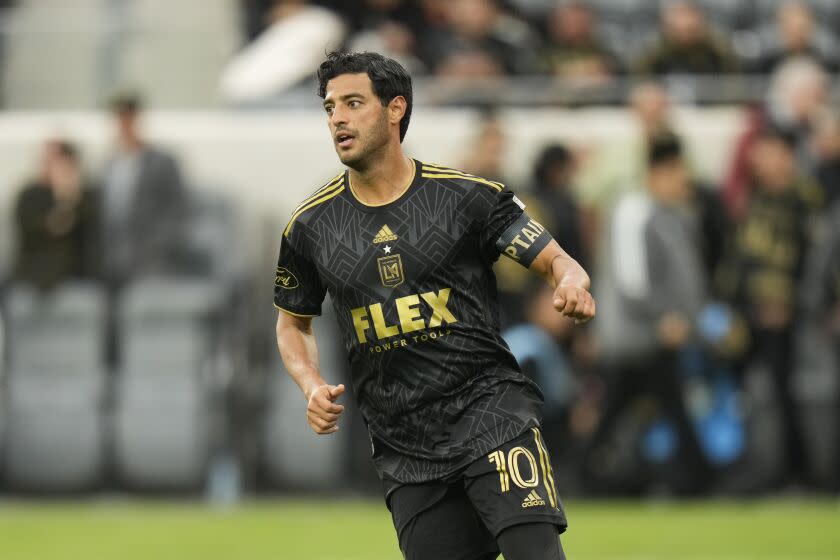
[
  {"x": 533, "y": 499},
  {"x": 385, "y": 234}
]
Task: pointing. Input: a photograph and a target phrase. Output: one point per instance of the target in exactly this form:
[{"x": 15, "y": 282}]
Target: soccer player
[{"x": 405, "y": 250}]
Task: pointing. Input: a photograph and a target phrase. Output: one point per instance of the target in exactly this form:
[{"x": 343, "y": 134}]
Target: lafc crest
[{"x": 391, "y": 271}]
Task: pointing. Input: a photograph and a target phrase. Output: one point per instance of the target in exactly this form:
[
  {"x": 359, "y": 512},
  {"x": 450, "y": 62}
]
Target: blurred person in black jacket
[
  {"x": 553, "y": 173},
  {"x": 796, "y": 36},
  {"x": 57, "y": 221},
  {"x": 762, "y": 274},
  {"x": 574, "y": 51},
  {"x": 687, "y": 45},
  {"x": 144, "y": 201},
  {"x": 826, "y": 149},
  {"x": 484, "y": 32}
]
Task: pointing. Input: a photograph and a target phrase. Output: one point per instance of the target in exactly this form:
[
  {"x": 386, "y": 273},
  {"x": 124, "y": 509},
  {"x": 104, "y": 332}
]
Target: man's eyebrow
[{"x": 344, "y": 97}]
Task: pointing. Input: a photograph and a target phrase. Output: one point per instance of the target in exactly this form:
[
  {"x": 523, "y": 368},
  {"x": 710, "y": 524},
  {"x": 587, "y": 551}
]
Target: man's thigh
[
  {"x": 436, "y": 521},
  {"x": 514, "y": 485}
]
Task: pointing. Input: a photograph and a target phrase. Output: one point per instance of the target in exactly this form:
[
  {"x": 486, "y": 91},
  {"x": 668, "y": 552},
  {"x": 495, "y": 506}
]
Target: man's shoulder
[
  {"x": 325, "y": 193},
  {"x": 451, "y": 175}
]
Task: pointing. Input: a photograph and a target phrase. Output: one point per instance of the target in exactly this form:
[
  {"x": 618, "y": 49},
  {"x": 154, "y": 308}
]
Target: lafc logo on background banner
[
  {"x": 385, "y": 234},
  {"x": 284, "y": 278},
  {"x": 390, "y": 271}
]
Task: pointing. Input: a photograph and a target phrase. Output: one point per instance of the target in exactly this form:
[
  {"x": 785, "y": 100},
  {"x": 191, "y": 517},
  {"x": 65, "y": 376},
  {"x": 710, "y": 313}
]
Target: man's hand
[
  {"x": 574, "y": 302},
  {"x": 322, "y": 413}
]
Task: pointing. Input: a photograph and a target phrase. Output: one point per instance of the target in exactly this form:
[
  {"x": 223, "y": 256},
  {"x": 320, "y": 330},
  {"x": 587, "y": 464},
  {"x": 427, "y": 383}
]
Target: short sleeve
[
  {"x": 297, "y": 284},
  {"x": 509, "y": 231},
  {"x": 504, "y": 209}
]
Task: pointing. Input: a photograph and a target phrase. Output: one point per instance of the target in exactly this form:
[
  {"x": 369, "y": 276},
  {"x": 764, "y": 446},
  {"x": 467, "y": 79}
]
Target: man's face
[{"x": 358, "y": 122}]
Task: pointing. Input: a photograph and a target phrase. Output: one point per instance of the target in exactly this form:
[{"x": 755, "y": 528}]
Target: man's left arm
[{"x": 569, "y": 280}]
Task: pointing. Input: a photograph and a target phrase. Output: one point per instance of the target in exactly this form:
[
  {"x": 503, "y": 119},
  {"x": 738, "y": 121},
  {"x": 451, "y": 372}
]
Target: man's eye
[
  {"x": 329, "y": 110},
  {"x": 354, "y": 104}
]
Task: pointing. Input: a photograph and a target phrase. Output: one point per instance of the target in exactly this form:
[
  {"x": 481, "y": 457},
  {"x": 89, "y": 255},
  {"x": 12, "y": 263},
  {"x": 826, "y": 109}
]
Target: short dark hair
[
  {"x": 663, "y": 149},
  {"x": 126, "y": 102},
  {"x": 388, "y": 77}
]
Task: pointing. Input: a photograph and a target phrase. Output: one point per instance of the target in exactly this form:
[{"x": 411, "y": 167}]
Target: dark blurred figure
[
  {"x": 820, "y": 291},
  {"x": 480, "y": 40},
  {"x": 796, "y": 36},
  {"x": 574, "y": 51},
  {"x": 144, "y": 201},
  {"x": 826, "y": 149},
  {"x": 651, "y": 288},
  {"x": 553, "y": 173},
  {"x": 763, "y": 272},
  {"x": 57, "y": 219},
  {"x": 687, "y": 45}
]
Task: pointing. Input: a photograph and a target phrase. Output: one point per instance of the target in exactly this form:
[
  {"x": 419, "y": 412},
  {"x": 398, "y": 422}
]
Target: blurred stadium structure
[{"x": 159, "y": 373}]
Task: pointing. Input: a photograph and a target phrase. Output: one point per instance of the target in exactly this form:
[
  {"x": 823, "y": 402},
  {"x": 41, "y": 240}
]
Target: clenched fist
[
  {"x": 322, "y": 412},
  {"x": 574, "y": 302}
]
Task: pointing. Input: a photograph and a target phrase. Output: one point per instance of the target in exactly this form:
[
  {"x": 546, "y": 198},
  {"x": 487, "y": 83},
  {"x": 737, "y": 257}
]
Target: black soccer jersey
[{"x": 415, "y": 296}]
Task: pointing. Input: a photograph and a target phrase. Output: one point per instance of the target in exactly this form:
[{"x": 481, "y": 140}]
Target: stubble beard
[{"x": 370, "y": 150}]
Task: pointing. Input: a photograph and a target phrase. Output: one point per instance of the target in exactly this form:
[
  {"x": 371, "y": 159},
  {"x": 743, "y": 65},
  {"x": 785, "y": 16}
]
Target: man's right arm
[{"x": 299, "y": 352}]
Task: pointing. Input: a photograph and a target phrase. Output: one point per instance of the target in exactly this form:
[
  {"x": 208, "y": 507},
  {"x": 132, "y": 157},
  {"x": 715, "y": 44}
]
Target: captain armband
[{"x": 523, "y": 240}]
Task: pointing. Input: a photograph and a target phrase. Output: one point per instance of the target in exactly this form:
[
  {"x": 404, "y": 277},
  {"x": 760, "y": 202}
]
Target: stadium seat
[
  {"x": 294, "y": 455},
  {"x": 163, "y": 412},
  {"x": 56, "y": 382}
]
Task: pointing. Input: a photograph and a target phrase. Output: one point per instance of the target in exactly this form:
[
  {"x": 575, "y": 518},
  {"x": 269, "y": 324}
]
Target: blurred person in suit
[
  {"x": 144, "y": 201},
  {"x": 57, "y": 221}
]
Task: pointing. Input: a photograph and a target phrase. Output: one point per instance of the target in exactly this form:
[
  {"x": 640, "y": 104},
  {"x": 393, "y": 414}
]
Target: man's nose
[{"x": 339, "y": 116}]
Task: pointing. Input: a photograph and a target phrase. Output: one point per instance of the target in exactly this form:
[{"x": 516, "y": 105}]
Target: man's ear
[{"x": 396, "y": 109}]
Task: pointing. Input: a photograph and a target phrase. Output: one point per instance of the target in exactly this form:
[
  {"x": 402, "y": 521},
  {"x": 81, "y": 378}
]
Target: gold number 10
[{"x": 498, "y": 457}]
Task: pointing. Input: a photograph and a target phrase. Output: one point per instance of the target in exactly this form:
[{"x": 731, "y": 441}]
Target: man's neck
[{"x": 384, "y": 180}]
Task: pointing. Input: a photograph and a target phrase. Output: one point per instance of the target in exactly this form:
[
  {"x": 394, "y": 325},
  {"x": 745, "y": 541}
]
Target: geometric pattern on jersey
[{"x": 415, "y": 296}]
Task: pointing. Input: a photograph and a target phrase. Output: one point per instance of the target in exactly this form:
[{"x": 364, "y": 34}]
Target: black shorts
[{"x": 462, "y": 518}]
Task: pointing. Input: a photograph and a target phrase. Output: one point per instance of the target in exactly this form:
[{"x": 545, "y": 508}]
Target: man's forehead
[{"x": 345, "y": 84}]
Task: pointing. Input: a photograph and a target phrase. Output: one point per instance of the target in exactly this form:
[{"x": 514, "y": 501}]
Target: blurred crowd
[
  {"x": 585, "y": 44},
  {"x": 702, "y": 289}
]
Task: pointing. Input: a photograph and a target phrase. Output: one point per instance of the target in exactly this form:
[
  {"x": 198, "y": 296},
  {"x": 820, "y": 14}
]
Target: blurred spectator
[
  {"x": 796, "y": 36},
  {"x": 364, "y": 15},
  {"x": 762, "y": 273},
  {"x": 57, "y": 219},
  {"x": 687, "y": 45},
  {"x": 487, "y": 153},
  {"x": 795, "y": 102},
  {"x": 826, "y": 150},
  {"x": 553, "y": 174},
  {"x": 393, "y": 40},
  {"x": 288, "y": 51},
  {"x": 480, "y": 32},
  {"x": 144, "y": 201},
  {"x": 574, "y": 51},
  {"x": 650, "y": 291},
  {"x": 820, "y": 290},
  {"x": 618, "y": 167}
]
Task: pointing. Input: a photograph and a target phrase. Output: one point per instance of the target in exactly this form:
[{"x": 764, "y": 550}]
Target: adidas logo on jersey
[
  {"x": 385, "y": 234},
  {"x": 533, "y": 499}
]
